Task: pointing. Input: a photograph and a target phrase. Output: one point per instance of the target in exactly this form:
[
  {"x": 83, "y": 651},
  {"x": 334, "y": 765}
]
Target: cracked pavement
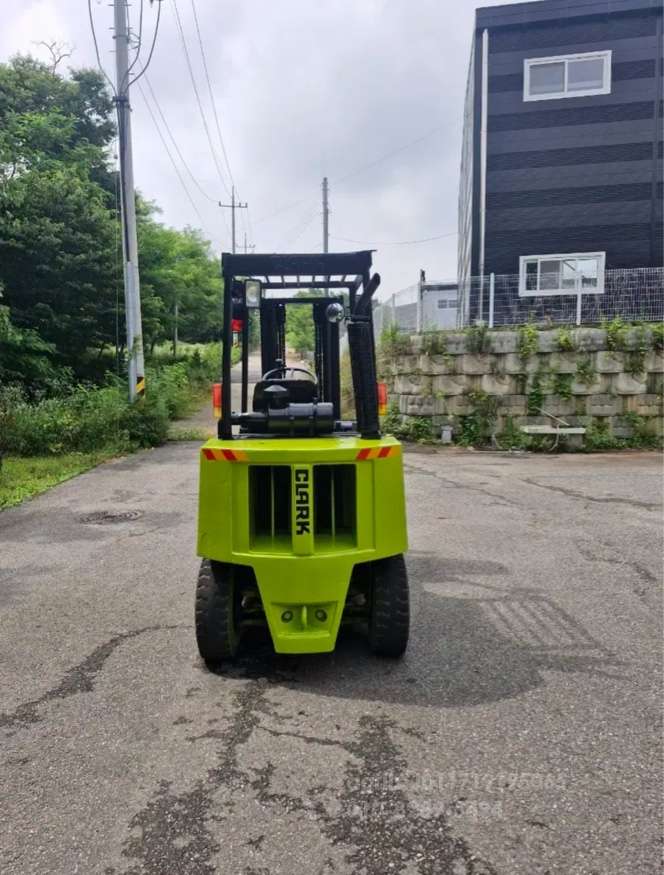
[{"x": 520, "y": 734}]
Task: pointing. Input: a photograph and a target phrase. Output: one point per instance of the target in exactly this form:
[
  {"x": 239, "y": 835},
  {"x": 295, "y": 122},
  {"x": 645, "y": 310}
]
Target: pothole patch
[{"x": 106, "y": 517}]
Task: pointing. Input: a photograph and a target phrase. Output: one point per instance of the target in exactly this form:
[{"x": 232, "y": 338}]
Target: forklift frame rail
[{"x": 350, "y": 271}]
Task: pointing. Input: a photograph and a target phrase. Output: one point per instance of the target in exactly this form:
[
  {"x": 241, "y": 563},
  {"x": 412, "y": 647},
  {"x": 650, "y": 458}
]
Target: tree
[
  {"x": 60, "y": 238},
  {"x": 25, "y": 360},
  {"x": 300, "y": 332},
  {"x": 178, "y": 270}
]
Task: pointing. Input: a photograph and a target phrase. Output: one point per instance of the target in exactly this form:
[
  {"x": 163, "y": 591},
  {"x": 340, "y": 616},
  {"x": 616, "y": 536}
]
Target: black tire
[
  {"x": 216, "y": 615},
  {"x": 390, "y": 607}
]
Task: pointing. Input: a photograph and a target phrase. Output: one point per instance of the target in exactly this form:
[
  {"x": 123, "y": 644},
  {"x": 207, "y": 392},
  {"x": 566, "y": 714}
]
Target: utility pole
[
  {"x": 132, "y": 288},
  {"x": 326, "y": 216},
  {"x": 176, "y": 316},
  {"x": 232, "y": 206}
]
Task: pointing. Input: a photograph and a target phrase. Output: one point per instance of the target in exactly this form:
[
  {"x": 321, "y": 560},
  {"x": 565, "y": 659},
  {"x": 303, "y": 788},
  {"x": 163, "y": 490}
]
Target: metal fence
[
  {"x": 424, "y": 306},
  {"x": 635, "y": 294}
]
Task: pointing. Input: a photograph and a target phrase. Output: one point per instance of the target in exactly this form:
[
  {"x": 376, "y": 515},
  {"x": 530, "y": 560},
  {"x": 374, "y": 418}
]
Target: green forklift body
[{"x": 301, "y": 512}]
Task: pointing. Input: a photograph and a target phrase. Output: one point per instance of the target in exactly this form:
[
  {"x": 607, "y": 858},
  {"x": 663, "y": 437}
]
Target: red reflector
[
  {"x": 229, "y": 455},
  {"x": 382, "y": 398},
  {"x": 209, "y": 455},
  {"x": 216, "y": 398},
  {"x": 363, "y": 454},
  {"x": 236, "y": 325},
  {"x": 384, "y": 451}
]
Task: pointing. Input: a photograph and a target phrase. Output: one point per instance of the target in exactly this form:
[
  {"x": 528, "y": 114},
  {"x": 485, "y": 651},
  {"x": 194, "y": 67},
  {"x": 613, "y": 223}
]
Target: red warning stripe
[
  {"x": 225, "y": 455},
  {"x": 375, "y": 453}
]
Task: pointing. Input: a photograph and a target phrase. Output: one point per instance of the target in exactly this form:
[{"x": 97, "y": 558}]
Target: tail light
[
  {"x": 216, "y": 399},
  {"x": 382, "y": 398}
]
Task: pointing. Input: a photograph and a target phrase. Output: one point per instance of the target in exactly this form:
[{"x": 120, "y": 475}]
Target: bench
[{"x": 558, "y": 427}]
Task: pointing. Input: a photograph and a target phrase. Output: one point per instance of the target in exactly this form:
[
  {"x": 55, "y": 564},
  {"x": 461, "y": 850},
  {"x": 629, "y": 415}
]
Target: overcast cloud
[{"x": 303, "y": 89}]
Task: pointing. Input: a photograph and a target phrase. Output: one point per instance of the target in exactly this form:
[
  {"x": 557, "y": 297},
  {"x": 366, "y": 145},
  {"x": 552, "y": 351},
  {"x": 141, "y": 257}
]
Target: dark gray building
[{"x": 561, "y": 174}]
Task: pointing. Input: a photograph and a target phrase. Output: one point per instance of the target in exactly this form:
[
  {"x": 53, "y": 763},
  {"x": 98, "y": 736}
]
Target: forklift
[{"x": 301, "y": 517}]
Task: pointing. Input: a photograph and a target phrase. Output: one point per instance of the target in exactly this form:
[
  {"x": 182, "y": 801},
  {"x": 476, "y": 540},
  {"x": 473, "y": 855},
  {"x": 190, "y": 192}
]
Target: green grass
[{"x": 22, "y": 478}]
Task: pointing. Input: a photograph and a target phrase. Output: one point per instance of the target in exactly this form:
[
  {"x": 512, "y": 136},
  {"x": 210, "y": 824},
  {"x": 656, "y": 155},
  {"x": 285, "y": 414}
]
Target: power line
[
  {"x": 283, "y": 209},
  {"x": 395, "y": 242},
  {"x": 198, "y": 97},
  {"x": 96, "y": 45},
  {"x": 359, "y": 169},
  {"x": 154, "y": 42},
  {"x": 300, "y": 228},
  {"x": 211, "y": 93},
  {"x": 170, "y": 156},
  {"x": 387, "y": 155},
  {"x": 174, "y": 142},
  {"x": 139, "y": 39},
  {"x": 167, "y": 127}
]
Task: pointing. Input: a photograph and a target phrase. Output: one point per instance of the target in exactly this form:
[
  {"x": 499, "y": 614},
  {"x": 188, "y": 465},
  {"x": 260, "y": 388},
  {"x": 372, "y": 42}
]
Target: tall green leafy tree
[
  {"x": 178, "y": 270},
  {"x": 60, "y": 244},
  {"x": 57, "y": 228}
]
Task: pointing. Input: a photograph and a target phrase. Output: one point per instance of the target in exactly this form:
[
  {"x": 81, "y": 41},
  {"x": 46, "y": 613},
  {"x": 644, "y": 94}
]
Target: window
[
  {"x": 567, "y": 76},
  {"x": 561, "y": 274}
]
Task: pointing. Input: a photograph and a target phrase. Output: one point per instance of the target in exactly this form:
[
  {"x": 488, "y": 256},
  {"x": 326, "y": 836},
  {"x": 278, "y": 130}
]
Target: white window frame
[
  {"x": 564, "y": 256},
  {"x": 557, "y": 59}
]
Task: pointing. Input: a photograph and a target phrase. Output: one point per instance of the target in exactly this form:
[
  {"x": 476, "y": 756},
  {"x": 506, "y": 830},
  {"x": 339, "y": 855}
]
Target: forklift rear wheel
[
  {"x": 216, "y": 614},
  {"x": 390, "y": 610}
]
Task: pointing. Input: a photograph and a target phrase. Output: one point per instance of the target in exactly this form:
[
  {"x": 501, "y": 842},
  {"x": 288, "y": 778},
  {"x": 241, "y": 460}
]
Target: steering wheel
[{"x": 284, "y": 370}]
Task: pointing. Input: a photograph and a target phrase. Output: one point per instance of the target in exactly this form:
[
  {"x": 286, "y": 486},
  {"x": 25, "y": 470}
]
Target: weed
[
  {"x": 476, "y": 427},
  {"x": 562, "y": 385},
  {"x": 635, "y": 360},
  {"x": 512, "y": 438},
  {"x": 535, "y": 396},
  {"x": 658, "y": 336},
  {"x": 477, "y": 341},
  {"x": 586, "y": 372},
  {"x": 434, "y": 343},
  {"x": 642, "y": 436},
  {"x": 392, "y": 420},
  {"x": 599, "y": 436},
  {"x": 419, "y": 429},
  {"x": 616, "y": 334},
  {"x": 394, "y": 342},
  {"x": 565, "y": 340},
  {"x": 528, "y": 343},
  {"x": 91, "y": 419}
]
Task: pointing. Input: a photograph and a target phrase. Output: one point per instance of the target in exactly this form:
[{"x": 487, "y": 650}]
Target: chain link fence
[{"x": 497, "y": 300}]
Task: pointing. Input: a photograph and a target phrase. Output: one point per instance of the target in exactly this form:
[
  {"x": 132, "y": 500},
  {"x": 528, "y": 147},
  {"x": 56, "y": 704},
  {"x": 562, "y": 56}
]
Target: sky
[{"x": 366, "y": 92}]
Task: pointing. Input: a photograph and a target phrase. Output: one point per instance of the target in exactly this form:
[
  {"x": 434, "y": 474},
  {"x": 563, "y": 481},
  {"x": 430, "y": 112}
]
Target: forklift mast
[{"x": 347, "y": 271}]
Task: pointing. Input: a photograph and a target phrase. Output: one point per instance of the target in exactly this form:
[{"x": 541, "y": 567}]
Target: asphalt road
[{"x": 521, "y": 733}]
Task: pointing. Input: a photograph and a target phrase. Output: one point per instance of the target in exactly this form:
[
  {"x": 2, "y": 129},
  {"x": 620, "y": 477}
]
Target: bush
[
  {"x": 477, "y": 427},
  {"x": 83, "y": 421},
  {"x": 145, "y": 423},
  {"x": 95, "y": 418}
]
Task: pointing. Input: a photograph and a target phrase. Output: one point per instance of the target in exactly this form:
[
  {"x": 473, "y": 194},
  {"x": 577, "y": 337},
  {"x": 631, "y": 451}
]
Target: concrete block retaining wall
[{"x": 442, "y": 375}]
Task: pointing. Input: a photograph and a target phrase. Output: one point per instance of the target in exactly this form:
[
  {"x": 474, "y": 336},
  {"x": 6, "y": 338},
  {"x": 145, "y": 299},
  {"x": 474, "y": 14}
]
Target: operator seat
[{"x": 299, "y": 392}]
